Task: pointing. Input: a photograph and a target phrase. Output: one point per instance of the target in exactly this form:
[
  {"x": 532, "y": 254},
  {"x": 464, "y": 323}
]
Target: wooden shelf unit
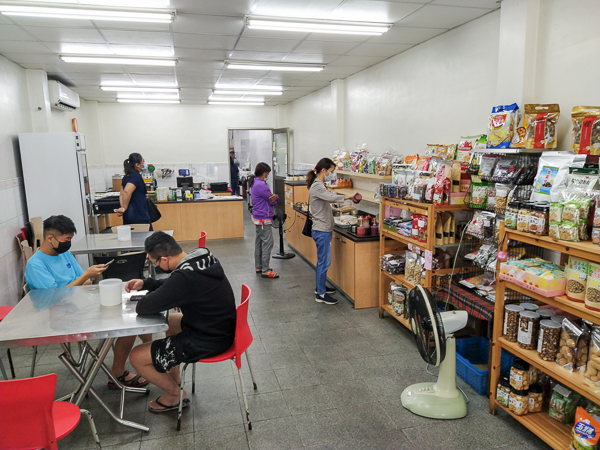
[
  {"x": 364, "y": 175},
  {"x": 557, "y": 435},
  {"x": 426, "y": 209},
  {"x": 400, "y": 319}
]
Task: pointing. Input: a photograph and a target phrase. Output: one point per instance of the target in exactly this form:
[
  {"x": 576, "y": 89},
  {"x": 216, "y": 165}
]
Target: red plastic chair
[
  {"x": 32, "y": 419},
  {"x": 4, "y": 310},
  {"x": 202, "y": 240},
  {"x": 243, "y": 339}
]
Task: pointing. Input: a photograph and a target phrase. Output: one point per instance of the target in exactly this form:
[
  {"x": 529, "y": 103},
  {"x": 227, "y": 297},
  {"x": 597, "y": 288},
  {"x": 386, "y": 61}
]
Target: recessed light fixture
[
  {"x": 211, "y": 102},
  {"x": 131, "y": 100},
  {"x": 87, "y": 13},
  {"x": 265, "y": 66},
  {"x": 222, "y": 92},
  {"x": 315, "y": 26},
  {"x": 123, "y": 61},
  {"x": 138, "y": 89},
  {"x": 147, "y": 96},
  {"x": 249, "y": 87}
]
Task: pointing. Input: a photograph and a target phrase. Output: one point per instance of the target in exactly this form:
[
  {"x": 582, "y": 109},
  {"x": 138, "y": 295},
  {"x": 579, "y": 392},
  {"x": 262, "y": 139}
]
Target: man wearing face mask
[
  {"x": 204, "y": 328},
  {"x": 54, "y": 266}
]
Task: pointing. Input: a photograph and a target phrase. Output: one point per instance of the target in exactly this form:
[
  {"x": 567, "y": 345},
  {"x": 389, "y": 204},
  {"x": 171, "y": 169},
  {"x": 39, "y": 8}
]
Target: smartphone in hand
[
  {"x": 135, "y": 298},
  {"x": 109, "y": 263}
]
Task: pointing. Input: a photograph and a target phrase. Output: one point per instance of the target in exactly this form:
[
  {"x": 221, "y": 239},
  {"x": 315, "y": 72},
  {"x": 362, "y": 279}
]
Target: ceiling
[{"x": 207, "y": 32}]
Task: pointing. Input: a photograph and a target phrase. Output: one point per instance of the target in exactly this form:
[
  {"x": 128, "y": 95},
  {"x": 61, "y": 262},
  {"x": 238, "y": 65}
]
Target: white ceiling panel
[
  {"x": 373, "y": 11},
  {"x": 489, "y": 4},
  {"x": 256, "y": 56},
  {"x": 272, "y": 34},
  {"x": 23, "y": 47},
  {"x": 14, "y": 33},
  {"x": 361, "y": 61},
  {"x": 337, "y": 37},
  {"x": 44, "y": 22},
  {"x": 200, "y": 24},
  {"x": 60, "y": 34},
  {"x": 209, "y": 42},
  {"x": 196, "y": 55},
  {"x": 32, "y": 58},
  {"x": 132, "y": 26},
  {"x": 325, "y": 47},
  {"x": 311, "y": 83},
  {"x": 312, "y": 58},
  {"x": 128, "y": 37},
  {"x": 153, "y": 78},
  {"x": 386, "y": 50},
  {"x": 406, "y": 35},
  {"x": 148, "y": 70},
  {"x": 313, "y": 9},
  {"x": 267, "y": 45},
  {"x": 433, "y": 16}
]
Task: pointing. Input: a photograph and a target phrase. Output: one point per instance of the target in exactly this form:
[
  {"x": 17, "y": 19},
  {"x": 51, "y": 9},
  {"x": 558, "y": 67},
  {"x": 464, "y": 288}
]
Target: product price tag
[
  {"x": 410, "y": 247},
  {"x": 428, "y": 259}
]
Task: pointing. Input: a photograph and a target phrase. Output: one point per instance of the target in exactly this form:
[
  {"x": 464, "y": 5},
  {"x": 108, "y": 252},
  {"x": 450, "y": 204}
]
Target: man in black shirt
[{"x": 204, "y": 328}]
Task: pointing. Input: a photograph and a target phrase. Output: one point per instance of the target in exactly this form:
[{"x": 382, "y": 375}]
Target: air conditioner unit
[{"x": 61, "y": 97}]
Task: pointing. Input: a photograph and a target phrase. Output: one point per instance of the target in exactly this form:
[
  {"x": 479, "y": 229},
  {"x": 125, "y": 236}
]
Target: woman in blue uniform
[{"x": 134, "y": 208}]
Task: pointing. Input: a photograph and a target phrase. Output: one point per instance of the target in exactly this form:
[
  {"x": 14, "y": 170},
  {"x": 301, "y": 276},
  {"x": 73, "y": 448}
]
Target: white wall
[{"x": 14, "y": 118}]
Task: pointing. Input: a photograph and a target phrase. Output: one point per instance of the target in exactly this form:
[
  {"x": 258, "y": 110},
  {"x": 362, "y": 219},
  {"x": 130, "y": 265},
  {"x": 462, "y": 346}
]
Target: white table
[
  {"x": 109, "y": 242},
  {"x": 74, "y": 314}
]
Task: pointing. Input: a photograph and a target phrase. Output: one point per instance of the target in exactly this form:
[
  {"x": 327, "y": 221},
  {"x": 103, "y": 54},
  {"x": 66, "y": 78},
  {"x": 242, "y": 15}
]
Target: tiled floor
[{"x": 329, "y": 377}]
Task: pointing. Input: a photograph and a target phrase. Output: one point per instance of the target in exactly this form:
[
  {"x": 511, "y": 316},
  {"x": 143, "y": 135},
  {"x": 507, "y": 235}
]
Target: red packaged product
[
  {"x": 423, "y": 164},
  {"x": 415, "y": 226},
  {"x": 421, "y": 227}
]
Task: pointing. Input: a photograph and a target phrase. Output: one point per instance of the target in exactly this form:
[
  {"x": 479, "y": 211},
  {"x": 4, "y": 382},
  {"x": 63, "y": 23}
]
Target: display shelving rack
[{"x": 555, "y": 434}]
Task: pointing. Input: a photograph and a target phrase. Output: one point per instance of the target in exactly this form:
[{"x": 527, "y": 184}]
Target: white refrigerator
[{"x": 56, "y": 179}]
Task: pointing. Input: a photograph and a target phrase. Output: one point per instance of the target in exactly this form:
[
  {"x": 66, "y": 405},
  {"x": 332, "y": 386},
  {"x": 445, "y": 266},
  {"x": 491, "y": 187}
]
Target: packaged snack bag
[
  {"x": 518, "y": 140},
  {"x": 411, "y": 160},
  {"x": 586, "y": 130},
  {"x": 541, "y": 125},
  {"x": 501, "y": 126},
  {"x": 586, "y": 431}
]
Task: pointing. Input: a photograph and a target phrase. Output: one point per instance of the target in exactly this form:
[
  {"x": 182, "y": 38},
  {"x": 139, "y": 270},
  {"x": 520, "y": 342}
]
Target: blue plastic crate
[{"x": 475, "y": 350}]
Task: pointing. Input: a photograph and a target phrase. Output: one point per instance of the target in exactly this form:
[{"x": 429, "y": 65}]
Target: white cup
[
  {"x": 111, "y": 292},
  {"x": 124, "y": 233}
]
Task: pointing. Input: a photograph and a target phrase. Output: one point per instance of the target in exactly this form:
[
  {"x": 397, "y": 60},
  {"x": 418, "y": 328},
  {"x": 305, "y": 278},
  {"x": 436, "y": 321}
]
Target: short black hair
[
  {"x": 262, "y": 168},
  {"x": 160, "y": 244},
  {"x": 60, "y": 224}
]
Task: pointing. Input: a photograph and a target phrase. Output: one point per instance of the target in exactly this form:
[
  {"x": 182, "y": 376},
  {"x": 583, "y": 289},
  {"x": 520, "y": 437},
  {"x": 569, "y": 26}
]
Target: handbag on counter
[
  {"x": 307, "y": 230},
  {"x": 153, "y": 211}
]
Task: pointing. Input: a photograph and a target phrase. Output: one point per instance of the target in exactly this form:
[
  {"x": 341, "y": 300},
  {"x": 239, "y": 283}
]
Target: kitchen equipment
[
  {"x": 172, "y": 194},
  {"x": 185, "y": 182},
  {"x": 354, "y": 228},
  {"x": 197, "y": 186},
  {"x": 184, "y": 172},
  {"x": 220, "y": 186},
  {"x": 178, "y": 195}
]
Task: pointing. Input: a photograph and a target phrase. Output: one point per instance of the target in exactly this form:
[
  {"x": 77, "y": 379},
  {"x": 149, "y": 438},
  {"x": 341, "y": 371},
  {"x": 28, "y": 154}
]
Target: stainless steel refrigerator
[{"x": 56, "y": 178}]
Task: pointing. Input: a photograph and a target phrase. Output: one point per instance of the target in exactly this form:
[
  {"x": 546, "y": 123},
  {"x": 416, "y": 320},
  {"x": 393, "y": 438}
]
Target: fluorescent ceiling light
[
  {"x": 129, "y": 83},
  {"x": 222, "y": 92},
  {"x": 250, "y": 65},
  {"x": 315, "y": 26},
  {"x": 127, "y": 3},
  {"x": 131, "y": 100},
  {"x": 87, "y": 13},
  {"x": 124, "y": 61},
  {"x": 148, "y": 96},
  {"x": 211, "y": 102},
  {"x": 136, "y": 51},
  {"x": 138, "y": 89},
  {"x": 249, "y": 87},
  {"x": 236, "y": 99}
]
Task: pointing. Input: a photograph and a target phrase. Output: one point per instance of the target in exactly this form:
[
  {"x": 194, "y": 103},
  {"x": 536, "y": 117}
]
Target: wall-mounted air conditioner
[{"x": 61, "y": 97}]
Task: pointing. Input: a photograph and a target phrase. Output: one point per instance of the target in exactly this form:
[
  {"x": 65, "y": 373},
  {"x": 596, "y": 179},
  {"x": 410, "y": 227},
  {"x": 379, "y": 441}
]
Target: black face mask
[{"x": 62, "y": 247}]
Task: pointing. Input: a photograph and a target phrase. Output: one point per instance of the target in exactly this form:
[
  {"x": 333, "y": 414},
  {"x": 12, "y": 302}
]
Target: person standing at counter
[
  {"x": 134, "y": 207},
  {"x": 322, "y": 229},
  {"x": 262, "y": 216}
]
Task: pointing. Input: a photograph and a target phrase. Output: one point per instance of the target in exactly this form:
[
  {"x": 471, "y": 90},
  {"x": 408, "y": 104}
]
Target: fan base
[
  {"x": 283, "y": 255},
  {"x": 421, "y": 399}
]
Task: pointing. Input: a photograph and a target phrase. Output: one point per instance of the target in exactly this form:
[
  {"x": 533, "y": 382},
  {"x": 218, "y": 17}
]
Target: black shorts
[{"x": 163, "y": 354}]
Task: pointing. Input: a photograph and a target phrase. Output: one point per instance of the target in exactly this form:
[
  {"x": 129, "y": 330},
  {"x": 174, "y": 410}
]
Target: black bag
[
  {"x": 153, "y": 211},
  {"x": 307, "y": 230}
]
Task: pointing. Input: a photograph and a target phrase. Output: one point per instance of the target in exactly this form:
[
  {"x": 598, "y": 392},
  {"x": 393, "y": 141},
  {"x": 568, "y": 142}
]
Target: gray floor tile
[
  {"x": 307, "y": 399},
  {"x": 266, "y": 381},
  {"x": 260, "y": 362},
  {"x": 287, "y": 358},
  {"x": 322, "y": 427},
  {"x": 217, "y": 413},
  {"x": 268, "y": 406},
  {"x": 279, "y": 343},
  {"x": 369, "y": 421},
  {"x": 372, "y": 366},
  {"x": 297, "y": 377},
  {"x": 227, "y": 438},
  {"x": 335, "y": 370},
  {"x": 165, "y": 424},
  {"x": 274, "y": 434},
  {"x": 213, "y": 388},
  {"x": 349, "y": 394},
  {"x": 179, "y": 442},
  {"x": 323, "y": 354}
]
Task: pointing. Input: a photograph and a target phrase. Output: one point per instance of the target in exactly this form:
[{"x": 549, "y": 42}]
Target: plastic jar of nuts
[
  {"x": 529, "y": 322},
  {"x": 545, "y": 313},
  {"x": 536, "y": 399},
  {"x": 519, "y": 402},
  {"x": 540, "y": 213},
  {"x": 529, "y": 306},
  {"x": 519, "y": 374},
  {"x": 510, "y": 216},
  {"x": 503, "y": 391},
  {"x": 523, "y": 217},
  {"x": 548, "y": 340},
  {"x": 511, "y": 322}
]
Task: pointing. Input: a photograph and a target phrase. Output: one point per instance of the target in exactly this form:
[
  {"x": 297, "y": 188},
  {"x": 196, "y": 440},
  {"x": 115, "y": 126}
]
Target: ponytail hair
[
  {"x": 129, "y": 164},
  {"x": 311, "y": 175}
]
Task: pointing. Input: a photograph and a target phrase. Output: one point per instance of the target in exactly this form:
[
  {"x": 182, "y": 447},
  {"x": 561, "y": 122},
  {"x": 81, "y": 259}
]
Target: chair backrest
[
  {"x": 243, "y": 335},
  {"x": 126, "y": 267},
  {"x": 135, "y": 227},
  {"x": 26, "y": 413},
  {"x": 202, "y": 240}
]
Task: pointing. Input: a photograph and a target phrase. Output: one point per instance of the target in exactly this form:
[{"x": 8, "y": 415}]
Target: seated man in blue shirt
[{"x": 54, "y": 266}]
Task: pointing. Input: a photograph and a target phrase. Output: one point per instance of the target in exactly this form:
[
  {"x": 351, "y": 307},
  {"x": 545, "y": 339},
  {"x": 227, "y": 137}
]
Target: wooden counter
[{"x": 354, "y": 262}]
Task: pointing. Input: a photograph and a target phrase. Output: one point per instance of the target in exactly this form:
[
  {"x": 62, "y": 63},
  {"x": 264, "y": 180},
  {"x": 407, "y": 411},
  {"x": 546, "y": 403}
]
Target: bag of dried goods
[
  {"x": 503, "y": 170},
  {"x": 592, "y": 371},
  {"x": 474, "y": 163},
  {"x": 586, "y": 178},
  {"x": 467, "y": 144},
  {"x": 586, "y": 431},
  {"x": 448, "y": 151},
  {"x": 431, "y": 150},
  {"x": 491, "y": 198},
  {"x": 479, "y": 193},
  {"x": 501, "y": 126},
  {"x": 592, "y": 292},
  {"x": 586, "y": 130},
  {"x": 518, "y": 140},
  {"x": 501, "y": 197},
  {"x": 563, "y": 404},
  {"x": 486, "y": 169},
  {"x": 567, "y": 347},
  {"x": 423, "y": 163},
  {"x": 541, "y": 125},
  {"x": 551, "y": 178},
  {"x": 568, "y": 231},
  {"x": 577, "y": 273}
]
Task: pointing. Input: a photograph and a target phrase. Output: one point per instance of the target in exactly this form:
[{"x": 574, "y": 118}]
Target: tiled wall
[{"x": 12, "y": 218}]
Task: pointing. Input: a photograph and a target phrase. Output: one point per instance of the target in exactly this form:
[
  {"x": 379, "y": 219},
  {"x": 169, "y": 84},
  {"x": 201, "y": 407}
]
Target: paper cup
[
  {"x": 111, "y": 292},
  {"x": 124, "y": 233}
]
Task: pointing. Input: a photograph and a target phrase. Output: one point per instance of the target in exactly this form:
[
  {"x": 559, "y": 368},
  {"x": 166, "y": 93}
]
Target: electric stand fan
[
  {"x": 278, "y": 222},
  {"x": 432, "y": 331}
]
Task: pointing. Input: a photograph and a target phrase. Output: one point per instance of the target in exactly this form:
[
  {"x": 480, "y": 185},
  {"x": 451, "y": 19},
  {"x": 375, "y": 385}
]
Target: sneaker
[
  {"x": 328, "y": 290},
  {"x": 328, "y": 300}
]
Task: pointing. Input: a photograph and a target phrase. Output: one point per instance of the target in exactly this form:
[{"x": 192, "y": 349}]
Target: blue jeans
[{"x": 323, "y": 241}]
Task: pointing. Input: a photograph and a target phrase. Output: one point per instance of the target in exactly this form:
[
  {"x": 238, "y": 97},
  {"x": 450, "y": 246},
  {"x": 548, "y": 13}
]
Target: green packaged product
[{"x": 563, "y": 404}]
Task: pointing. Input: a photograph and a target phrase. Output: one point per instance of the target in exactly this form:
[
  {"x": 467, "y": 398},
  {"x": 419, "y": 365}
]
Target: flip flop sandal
[
  {"x": 269, "y": 274},
  {"x": 165, "y": 408},
  {"x": 134, "y": 382}
]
